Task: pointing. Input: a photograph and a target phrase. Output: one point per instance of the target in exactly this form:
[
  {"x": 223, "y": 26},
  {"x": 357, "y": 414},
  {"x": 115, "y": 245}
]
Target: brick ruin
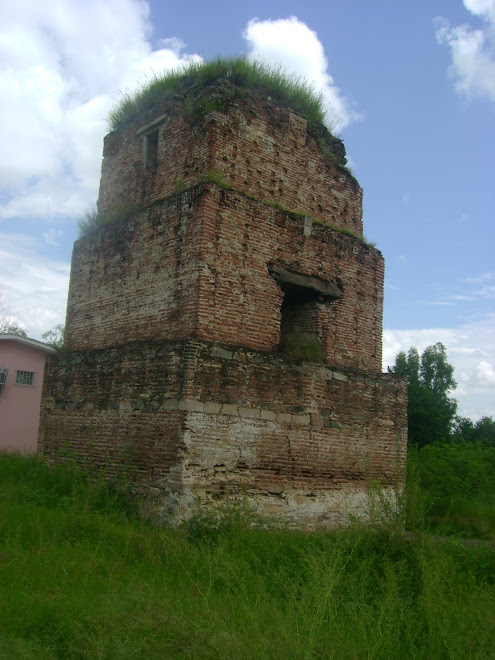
[{"x": 225, "y": 335}]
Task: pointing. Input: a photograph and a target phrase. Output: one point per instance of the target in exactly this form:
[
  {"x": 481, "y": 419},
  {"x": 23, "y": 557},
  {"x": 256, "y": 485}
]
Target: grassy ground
[{"x": 81, "y": 577}]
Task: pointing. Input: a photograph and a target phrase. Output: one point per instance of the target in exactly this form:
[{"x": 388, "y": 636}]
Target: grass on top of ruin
[
  {"x": 83, "y": 577},
  {"x": 186, "y": 82}
]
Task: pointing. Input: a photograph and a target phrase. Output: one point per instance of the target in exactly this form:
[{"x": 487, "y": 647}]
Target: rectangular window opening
[
  {"x": 304, "y": 307},
  {"x": 24, "y": 377},
  {"x": 300, "y": 323},
  {"x": 150, "y": 150},
  {"x": 4, "y": 375}
]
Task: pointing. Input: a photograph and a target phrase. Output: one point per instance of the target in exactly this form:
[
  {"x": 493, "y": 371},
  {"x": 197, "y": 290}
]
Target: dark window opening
[
  {"x": 4, "y": 376},
  {"x": 302, "y": 312},
  {"x": 300, "y": 321},
  {"x": 150, "y": 150}
]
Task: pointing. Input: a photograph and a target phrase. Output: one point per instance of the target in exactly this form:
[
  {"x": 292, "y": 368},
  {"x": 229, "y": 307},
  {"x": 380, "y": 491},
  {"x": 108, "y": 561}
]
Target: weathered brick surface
[
  {"x": 137, "y": 279},
  {"x": 187, "y": 323},
  {"x": 180, "y": 418},
  {"x": 249, "y": 146},
  {"x": 196, "y": 264}
]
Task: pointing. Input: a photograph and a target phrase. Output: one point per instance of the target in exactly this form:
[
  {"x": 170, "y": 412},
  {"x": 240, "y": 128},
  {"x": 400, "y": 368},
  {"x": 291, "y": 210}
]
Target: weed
[
  {"x": 281, "y": 207},
  {"x": 300, "y": 349},
  {"x": 179, "y": 185},
  {"x": 369, "y": 243},
  {"x": 210, "y": 523},
  {"x": 219, "y": 101},
  {"x": 343, "y": 230},
  {"x": 216, "y": 178},
  {"x": 332, "y": 151},
  {"x": 186, "y": 83},
  {"x": 92, "y": 220}
]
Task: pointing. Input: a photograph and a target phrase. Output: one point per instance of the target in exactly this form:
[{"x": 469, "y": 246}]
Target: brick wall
[
  {"x": 243, "y": 233},
  {"x": 197, "y": 264},
  {"x": 191, "y": 420},
  {"x": 249, "y": 146}
]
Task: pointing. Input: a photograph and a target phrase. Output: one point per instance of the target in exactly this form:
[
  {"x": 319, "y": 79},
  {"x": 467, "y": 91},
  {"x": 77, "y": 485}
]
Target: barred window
[{"x": 24, "y": 377}]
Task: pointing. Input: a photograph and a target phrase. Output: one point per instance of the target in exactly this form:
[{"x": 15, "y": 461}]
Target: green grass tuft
[
  {"x": 186, "y": 83},
  {"x": 300, "y": 349},
  {"x": 92, "y": 220}
]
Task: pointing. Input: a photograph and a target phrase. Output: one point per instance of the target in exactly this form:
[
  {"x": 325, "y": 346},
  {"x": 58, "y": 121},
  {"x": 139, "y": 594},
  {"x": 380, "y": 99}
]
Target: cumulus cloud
[
  {"x": 472, "y": 50},
  {"x": 56, "y": 90},
  {"x": 292, "y": 45},
  {"x": 33, "y": 286},
  {"x": 485, "y": 373},
  {"x": 62, "y": 66},
  {"x": 470, "y": 349}
]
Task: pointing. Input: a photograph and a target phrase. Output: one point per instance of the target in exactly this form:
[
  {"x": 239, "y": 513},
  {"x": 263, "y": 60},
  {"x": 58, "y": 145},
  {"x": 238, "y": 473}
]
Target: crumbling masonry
[{"x": 225, "y": 334}]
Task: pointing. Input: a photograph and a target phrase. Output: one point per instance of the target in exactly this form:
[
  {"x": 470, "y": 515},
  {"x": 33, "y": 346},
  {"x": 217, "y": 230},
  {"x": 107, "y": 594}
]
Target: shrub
[{"x": 459, "y": 481}]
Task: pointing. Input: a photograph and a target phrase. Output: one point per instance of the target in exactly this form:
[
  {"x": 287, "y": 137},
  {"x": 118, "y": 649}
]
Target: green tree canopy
[
  {"x": 431, "y": 412},
  {"x": 481, "y": 431}
]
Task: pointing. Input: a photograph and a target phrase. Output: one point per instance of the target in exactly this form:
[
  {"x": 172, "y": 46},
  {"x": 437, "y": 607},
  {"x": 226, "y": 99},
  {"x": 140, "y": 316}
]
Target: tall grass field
[{"x": 81, "y": 576}]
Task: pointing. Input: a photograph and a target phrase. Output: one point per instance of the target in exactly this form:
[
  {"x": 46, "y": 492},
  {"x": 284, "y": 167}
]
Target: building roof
[{"x": 34, "y": 343}]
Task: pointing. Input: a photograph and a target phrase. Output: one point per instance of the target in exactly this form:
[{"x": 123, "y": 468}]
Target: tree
[
  {"x": 430, "y": 410},
  {"x": 12, "y": 328},
  {"x": 55, "y": 336},
  {"x": 481, "y": 431}
]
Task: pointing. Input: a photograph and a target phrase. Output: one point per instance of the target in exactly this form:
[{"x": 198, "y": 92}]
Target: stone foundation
[{"x": 301, "y": 440}]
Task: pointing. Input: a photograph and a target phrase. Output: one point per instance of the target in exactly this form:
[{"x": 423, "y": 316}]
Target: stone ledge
[{"x": 232, "y": 410}]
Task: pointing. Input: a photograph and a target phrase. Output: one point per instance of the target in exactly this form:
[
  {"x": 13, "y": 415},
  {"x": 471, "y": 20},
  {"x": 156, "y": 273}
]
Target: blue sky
[{"x": 410, "y": 87}]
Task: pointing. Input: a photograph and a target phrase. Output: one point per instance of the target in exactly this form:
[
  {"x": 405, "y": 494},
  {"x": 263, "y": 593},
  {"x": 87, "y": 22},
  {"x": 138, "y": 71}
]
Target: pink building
[{"x": 22, "y": 363}]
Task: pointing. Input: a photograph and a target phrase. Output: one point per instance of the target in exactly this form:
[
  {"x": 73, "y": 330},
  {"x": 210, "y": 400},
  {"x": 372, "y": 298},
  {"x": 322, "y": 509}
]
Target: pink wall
[{"x": 20, "y": 404}]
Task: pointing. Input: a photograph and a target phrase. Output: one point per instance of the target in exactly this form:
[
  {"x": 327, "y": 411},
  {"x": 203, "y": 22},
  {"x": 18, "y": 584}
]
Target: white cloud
[
  {"x": 485, "y": 277},
  {"x": 472, "y": 289},
  {"x": 485, "y": 8},
  {"x": 52, "y": 235},
  {"x": 56, "y": 89},
  {"x": 485, "y": 373},
  {"x": 292, "y": 45},
  {"x": 33, "y": 286},
  {"x": 473, "y": 50},
  {"x": 470, "y": 349}
]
